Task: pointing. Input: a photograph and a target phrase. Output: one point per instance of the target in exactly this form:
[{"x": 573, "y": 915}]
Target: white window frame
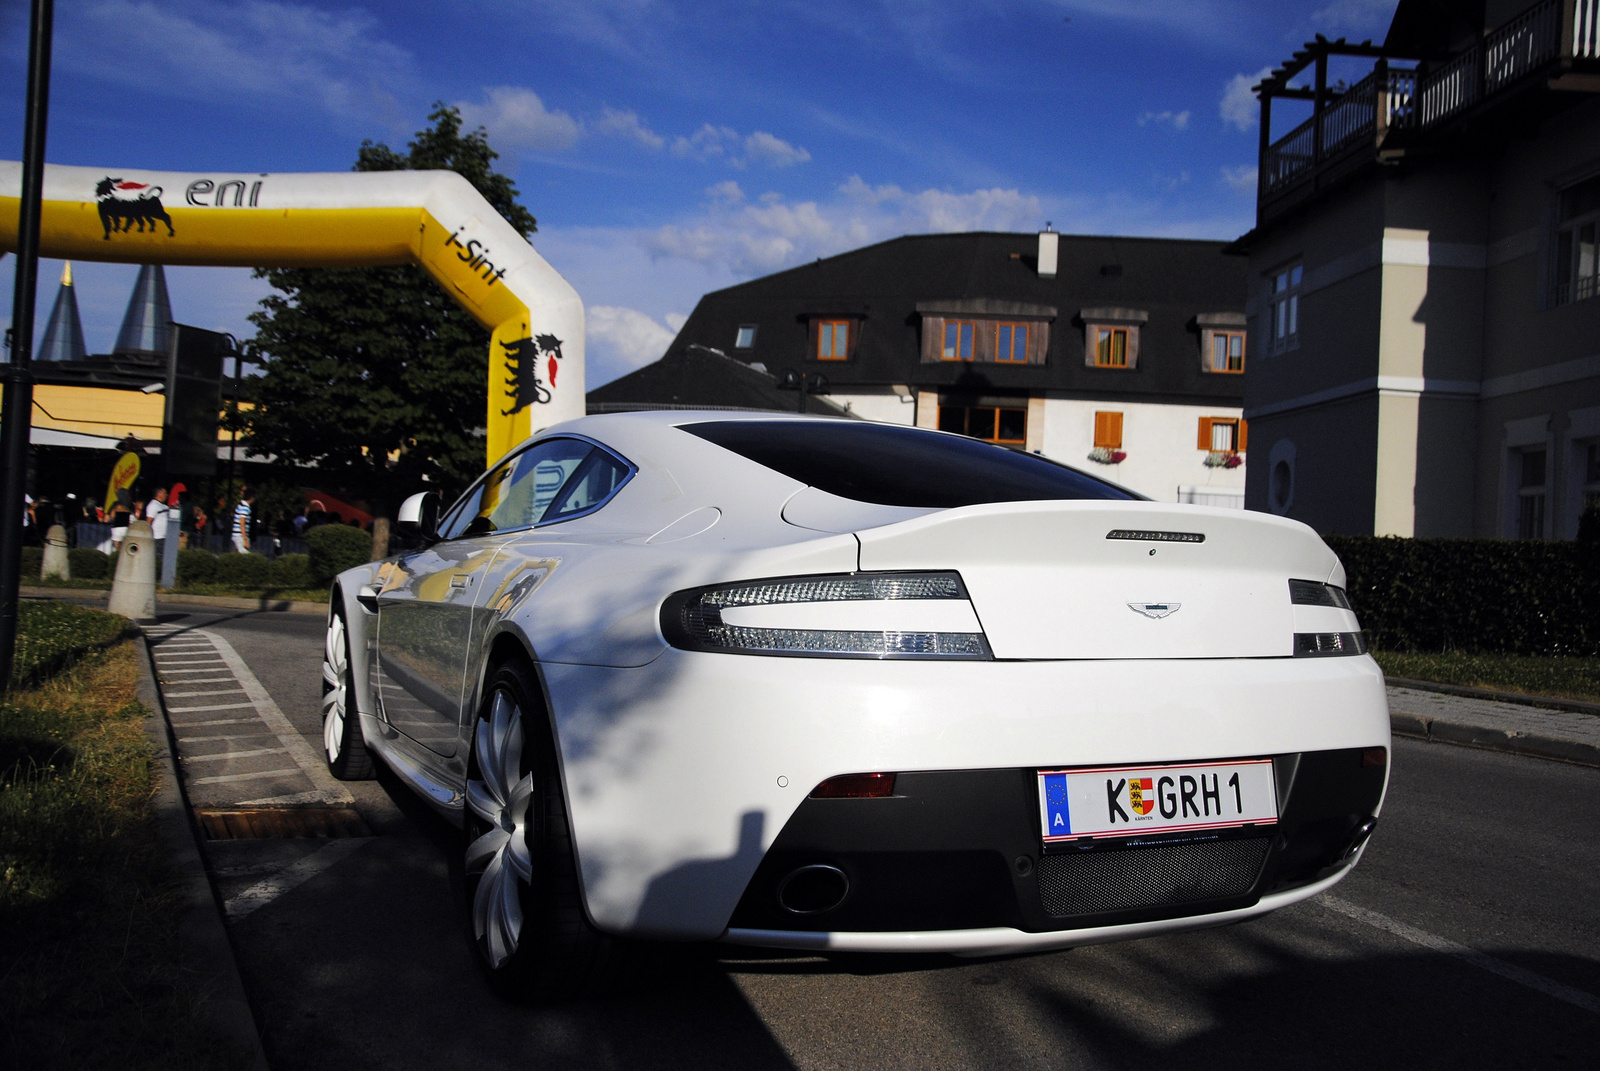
[
  {"x": 1577, "y": 247},
  {"x": 1283, "y": 307}
]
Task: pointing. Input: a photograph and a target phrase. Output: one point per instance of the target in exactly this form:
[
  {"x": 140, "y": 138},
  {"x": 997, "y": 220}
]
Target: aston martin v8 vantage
[{"x": 817, "y": 683}]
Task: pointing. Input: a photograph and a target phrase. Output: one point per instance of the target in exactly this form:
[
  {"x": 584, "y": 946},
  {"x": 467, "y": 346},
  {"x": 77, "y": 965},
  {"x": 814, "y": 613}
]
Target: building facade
[
  {"x": 1122, "y": 356},
  {"x": 1424, "y": 352}
]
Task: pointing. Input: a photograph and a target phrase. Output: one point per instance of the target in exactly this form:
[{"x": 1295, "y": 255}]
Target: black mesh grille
[{"x": 1119, "y": 879}]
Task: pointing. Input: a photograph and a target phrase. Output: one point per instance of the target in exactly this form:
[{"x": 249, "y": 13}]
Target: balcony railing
[{"x": 1401, "y": 99}]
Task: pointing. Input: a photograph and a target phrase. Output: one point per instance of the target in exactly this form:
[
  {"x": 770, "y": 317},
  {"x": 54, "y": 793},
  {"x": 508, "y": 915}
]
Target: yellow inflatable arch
[{"x": 344, "y": 219}]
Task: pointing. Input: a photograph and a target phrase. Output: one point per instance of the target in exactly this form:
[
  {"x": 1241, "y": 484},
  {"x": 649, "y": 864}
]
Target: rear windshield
[{"x": 894, "y": 466}]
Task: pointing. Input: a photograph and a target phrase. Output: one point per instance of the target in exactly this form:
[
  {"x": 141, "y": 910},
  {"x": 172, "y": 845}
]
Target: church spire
[
  {"x": 63, "y": 335},
  {"x": 147, "y": 325}
]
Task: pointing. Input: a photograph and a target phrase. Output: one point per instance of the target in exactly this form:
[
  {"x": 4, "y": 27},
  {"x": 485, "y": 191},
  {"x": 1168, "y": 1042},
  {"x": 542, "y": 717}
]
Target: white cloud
[
  {"x": 773, "y": 233},
  {"x": 1176, "y": 120},
  {"x": 725, "y": 143},
  {"x": 727, "y": 193},
  {"x": 622, "y": 339},
  {"x": 765, "y": 148},
  {"x": 1239, "y": 105},
  {"x": 709, "y": 142},
  {"x": 1242, "y": 178},
  {"x": 626, "y": 124},
  {"x": 516, "y": 118},
  {"x": 249, "y": 50}
]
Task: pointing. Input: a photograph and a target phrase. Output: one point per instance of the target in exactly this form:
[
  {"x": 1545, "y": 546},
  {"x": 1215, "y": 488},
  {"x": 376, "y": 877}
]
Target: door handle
[
  {"x": 367, "y": 598},
  {"x": 458, "y": 581}
]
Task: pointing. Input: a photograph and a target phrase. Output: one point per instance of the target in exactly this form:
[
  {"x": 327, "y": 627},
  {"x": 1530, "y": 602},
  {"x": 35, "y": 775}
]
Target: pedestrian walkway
[
  {"x": 235, "y": 746},
  {"x": 1499, "y": 726}
]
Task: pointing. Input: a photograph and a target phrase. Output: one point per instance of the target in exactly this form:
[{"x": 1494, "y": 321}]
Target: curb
[
  {"x": 1512, "y": 741},
  {"x": 220, "y": 602},
  {"x": 1521, "y": 698},
  {"x": 203, "y": 949}
]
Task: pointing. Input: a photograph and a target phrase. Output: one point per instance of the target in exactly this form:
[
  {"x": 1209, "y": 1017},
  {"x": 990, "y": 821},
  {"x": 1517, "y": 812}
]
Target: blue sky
[{"x": 669, "y": 148}]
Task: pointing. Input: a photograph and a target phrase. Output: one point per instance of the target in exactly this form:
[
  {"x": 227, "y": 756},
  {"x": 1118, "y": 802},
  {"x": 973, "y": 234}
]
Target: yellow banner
[{"x": 123, "y": 473}]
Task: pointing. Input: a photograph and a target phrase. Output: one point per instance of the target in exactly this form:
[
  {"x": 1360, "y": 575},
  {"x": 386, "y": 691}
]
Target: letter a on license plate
[{"x": 1124, "y": 800}]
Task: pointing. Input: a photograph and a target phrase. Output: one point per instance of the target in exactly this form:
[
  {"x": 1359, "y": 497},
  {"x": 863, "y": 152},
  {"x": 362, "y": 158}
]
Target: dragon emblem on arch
[{"x": 523, "y": 385}]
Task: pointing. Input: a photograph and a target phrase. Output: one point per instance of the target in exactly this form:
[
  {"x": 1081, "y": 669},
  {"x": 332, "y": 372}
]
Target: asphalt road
[{"x": 1468, "y": 937}]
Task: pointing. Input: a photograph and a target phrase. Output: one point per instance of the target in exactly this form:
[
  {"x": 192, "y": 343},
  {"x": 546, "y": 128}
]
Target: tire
[
  {"x": 342, "y": 743},
  {"x": 519, "y": 889}
]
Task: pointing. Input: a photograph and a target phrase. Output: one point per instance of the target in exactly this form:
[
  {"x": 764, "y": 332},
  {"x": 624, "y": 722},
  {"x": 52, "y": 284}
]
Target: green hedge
[
  {"x": 87, "y": 563},
  {"x": 291, "y": 571},
  {"x": 196, "y": 566},
  {"x": 32, "y": 563},
  {"x": 335, "y": 548},
  {"x": 241, "y": 571},
  {"x": 1481, "y": 596}
]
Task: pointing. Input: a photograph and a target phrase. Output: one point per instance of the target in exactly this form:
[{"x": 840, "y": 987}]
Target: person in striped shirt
[{"x": 241, "y": 520}]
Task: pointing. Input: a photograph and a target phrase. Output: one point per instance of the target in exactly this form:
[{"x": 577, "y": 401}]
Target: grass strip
[
  {"x": 1563, "y": 678},
  {"x": 90, "y": 972}
]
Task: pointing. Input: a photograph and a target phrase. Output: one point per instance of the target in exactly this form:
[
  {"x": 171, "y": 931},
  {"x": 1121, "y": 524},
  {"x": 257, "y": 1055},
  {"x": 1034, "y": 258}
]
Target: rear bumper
[
  {"x": 681, "y": 774},
  {"x": 1003, "y": 940}
]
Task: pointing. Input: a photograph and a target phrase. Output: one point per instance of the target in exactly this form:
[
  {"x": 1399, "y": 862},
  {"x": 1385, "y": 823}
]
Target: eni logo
[
  {"x": 1156, "y": 610},
  {"x": 126, "y": 204}
]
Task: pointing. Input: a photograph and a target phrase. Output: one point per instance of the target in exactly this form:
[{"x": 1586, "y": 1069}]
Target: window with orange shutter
[{"x": 1108, "y": 430}]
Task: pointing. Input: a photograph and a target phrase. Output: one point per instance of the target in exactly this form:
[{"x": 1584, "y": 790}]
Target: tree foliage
[{"x": 375, "y": 375}]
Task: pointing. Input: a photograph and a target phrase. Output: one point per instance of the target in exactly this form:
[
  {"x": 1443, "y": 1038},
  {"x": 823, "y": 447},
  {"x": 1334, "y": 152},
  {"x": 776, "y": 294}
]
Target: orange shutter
[
  {"x": 1204, "y": 442},
  {"x": 1244, "y": 428},
  {"x": 1108, "y": 430}
]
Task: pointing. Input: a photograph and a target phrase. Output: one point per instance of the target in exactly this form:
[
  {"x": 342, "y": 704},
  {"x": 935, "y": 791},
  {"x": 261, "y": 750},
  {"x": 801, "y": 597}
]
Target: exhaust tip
[{"x": 812, "y": 890}]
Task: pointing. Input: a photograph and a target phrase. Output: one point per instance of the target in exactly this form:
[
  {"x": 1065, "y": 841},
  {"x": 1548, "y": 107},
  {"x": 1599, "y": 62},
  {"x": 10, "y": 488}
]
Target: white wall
[
  {"x": 885, "y": 408},
  {"x": 1160, "y": 441}
]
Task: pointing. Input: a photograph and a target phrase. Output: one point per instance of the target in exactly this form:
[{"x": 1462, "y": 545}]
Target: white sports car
[{"x": 826, "y": 684}]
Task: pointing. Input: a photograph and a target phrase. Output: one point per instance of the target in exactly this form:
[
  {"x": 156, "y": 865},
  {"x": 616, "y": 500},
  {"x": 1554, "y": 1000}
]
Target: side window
[
  {"x": 593, "y": 482},
  {"x": 517, "y": 492}
]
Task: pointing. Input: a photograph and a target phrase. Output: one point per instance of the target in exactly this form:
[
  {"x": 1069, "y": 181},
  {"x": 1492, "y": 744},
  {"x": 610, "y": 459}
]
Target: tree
[{"x": 374, "y": 375}]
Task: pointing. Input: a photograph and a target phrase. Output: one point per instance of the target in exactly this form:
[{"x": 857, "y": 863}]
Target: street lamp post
[{"x": 16, "y": 411}]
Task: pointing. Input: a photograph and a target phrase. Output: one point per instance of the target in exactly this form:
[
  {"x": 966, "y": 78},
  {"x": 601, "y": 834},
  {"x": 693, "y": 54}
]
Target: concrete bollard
[
  {"x": 55, "y": 554},
  {"x": 133, "y": 592}
]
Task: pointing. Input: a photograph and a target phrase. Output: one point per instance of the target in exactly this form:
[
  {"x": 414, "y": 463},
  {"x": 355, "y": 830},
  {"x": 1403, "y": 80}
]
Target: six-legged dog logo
[
  {"x": 523, "y": 385},
  {"x": 123, "y": 204}
]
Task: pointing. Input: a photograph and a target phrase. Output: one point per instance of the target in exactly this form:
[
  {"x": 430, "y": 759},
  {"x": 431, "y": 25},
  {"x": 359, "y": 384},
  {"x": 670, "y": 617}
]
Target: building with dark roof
[
  {"x": 1125, "y": 351},
  {"x": 699, "y": 377}
]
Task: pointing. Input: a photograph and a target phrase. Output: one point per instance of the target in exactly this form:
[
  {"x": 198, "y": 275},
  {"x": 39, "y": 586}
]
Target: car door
[{"x": 425, "y": 605}]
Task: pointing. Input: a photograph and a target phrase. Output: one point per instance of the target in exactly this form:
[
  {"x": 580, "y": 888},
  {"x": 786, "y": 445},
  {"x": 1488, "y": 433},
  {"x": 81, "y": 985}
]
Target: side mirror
[{"x": 417, "y": 520}]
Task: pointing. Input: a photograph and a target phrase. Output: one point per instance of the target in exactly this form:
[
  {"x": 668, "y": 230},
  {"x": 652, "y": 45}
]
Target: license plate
[{"x": 1156, "y": 799}]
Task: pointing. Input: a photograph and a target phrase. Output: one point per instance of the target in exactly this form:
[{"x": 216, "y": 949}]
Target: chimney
[{"x": 1048, "y": 241}]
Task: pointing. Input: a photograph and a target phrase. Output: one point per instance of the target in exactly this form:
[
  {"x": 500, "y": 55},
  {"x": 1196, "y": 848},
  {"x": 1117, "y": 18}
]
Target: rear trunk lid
[{"x": 1092, "y": 579}]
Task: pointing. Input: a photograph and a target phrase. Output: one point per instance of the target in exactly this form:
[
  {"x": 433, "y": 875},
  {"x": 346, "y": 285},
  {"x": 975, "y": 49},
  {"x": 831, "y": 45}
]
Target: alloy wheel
[
  {"x": 498, "y": 858},
  {"x": 335, "y": 688}
]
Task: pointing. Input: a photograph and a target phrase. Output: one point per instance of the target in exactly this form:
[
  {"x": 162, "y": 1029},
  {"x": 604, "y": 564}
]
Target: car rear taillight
[
  {"x": 855, "y": 786},
  {"x": 854, "y": 615},
  {"x": 1325, "y": 644}
]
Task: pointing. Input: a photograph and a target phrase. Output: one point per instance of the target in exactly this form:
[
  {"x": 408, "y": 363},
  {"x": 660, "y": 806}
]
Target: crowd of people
[{"x": 235, "y": 526}]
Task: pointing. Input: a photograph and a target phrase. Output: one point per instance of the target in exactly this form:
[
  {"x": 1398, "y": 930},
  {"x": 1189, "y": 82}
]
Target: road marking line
[
  {"x": 165, "y": 673},
  {"x": 310, "y": 763},
  {"x": 1549, "y": 987},
  {"x": 264, "y": 892},
  {"x": 206, "y": 680},
  {"x": 226, "y": 779},
  {"x": 185, "y": 662},
  {"x": 213, "y": 706},
  {"x": 233, "y": 754},
  {"x": 210, "y": 691},
  {"x": 224, "y": 736},
  {"x": 213, "y": 721}
]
